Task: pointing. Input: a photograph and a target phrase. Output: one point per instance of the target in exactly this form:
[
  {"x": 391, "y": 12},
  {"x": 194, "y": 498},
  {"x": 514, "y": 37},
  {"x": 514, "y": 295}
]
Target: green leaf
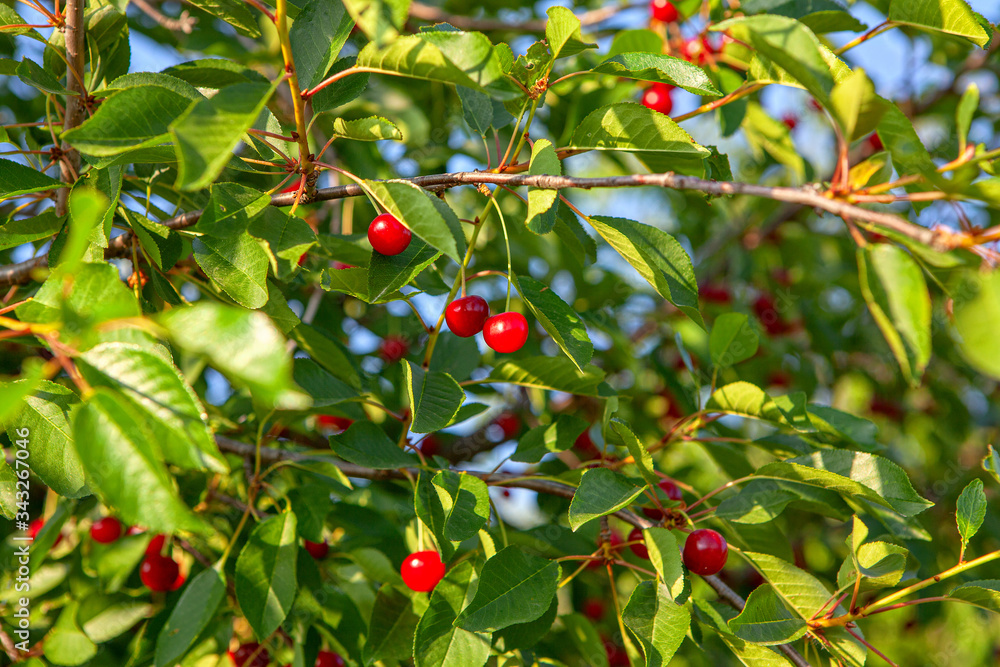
[
  {"x": 562, "y": 32},
  {"x": 9, "y": 17},
  {"x": 36, "y": 76},
  {"x": 214, "y": 73},
  {"x": 365, "y": 444},
  {"x": 46, "y": 415},
  {"x": 909, "y": 155},
  {"x": 233, "y": 12},
  {"x": 881, "y": 565},
  {"x": 631, "y": 127},
  {"x": 373, "y": 128},
  {"x": 971, "y": 510},
  {"x": 324, "y": 389},
  {"x": 318, "y": 34},
  {"x": 559, "y": 320},
  {"x": 17, "y": 179},
  {"x": 661, "y": 69},
  {"x": 983, "y": 593},
  {"x": 588, "y": 642},
  {"x": 856, "y": 106},
  {"x": 665, "y": 555},
  {"x": 123, "y": 467},
  {"x": 230, "y": 209},
  {"x": 966, "y": 110},
  {"x": 521, "y": 636},
  {"x": 206, "y": 134},
  {"x": 466, "y": 504},
  {"x": 27, "y": 230},
  {"x": 215, "y": 332},
  {"x": 66, "y": 644},
  {"x": 136, "y": 117},
  {"x": 286, "y": 238},
  {"x": 265, "y": 574},
  {"x": 642, "y": 40},
  {"x": 549, "y": 438},
  {"x": 237, "y": 264},
  {"x": 658, "y": 622},
  {"x": 341, "y": 91},
  {"x": 437, "y": 642},
  {"x": 379, "y": 19},
  {"x": 641, "y": 456},
  {"x": 733, "y": 339},
  {"x": 173, "y": 412},
  {"x": 952, "y": 17},
  {"x": 386, "y": 274},
  {"x": 425, "y": 215},
  {"x": 601, "y": 492},
  {"x": 328, "y": 353},
  {"x": 8, "y": 491},
  {"x": 658, "y": 258},
  {"x": 162, "y": 244},
  {"x": 854, "y": 475},
  {"x": 514, "y": 587},
  {"x": 768, "y": 135},
  {"x": 434, "y": 398},
  {"x": 991, "y": 462},
  {"x": 893, "y": 285},
  {"x": 976, "y": 317},
  {"x": 542, "y": 204},
  {"x": 766, "y": 620},
  {"x": 392, "y": 627},
  {"x": 820, "y": 16},
  {"x": 193, "y": 612},
  {"x": 555, "y": 373}
]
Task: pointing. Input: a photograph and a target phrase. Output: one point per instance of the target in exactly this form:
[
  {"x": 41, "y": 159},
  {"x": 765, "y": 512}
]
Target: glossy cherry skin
[
  {"x": 509, "y": 424},
  {"x": 639, "y": 548},
  {"x": 422, "y": 571},
  {"x": 875, "y": 142},
  {"x": 429, "y": 446},
  {"x": 506, "y": 332},
  {"x": 334, "y": 423},
  {"x": 36, "y": 526},
  {"x": 393, "y": 349},
  {"x": 466, "y": 316},
  {"x": 657, "y": 97},
  {"x": 663, "y": 10},
  {"x": 705, "y": 552},
  {"x": 106, "y": 530},
  {"x": 155, "y": 546},
  {"x": 242, "y": 656},
  {"x": 672, "y": 491},
  {"x": 159, "y": 573},
  {"x": 388, "y": 235},
  {"x": 329, "y": 659},
  {"x": 317, "y": 550}
]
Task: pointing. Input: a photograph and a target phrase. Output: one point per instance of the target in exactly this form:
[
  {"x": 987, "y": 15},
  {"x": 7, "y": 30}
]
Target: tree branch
[
  {"x": 271, "y": 455},
  {"x": 69, "y": 164},
  {"x": 184, "y": 23},
  {"x": 938, "y": 238}
]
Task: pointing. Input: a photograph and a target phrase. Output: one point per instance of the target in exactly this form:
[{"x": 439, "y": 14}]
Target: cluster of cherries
[
  {"x": 252, "y": 654},
  {"x": 466, "y": 316}
]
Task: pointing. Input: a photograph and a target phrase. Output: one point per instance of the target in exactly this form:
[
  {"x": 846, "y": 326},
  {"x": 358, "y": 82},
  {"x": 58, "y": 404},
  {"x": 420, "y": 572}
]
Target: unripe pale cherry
[
  {"x": 467, "y": 315},
  {"x": 506, "y": 332},
  {"x": 705, "y": 552},
  {"x": 422, "y": 571},
  {"x": 388, "y": 235}
]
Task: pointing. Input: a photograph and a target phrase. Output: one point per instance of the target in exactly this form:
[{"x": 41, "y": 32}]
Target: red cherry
[
  {"x": 393, "y": 349},
  {"x": 35, "y": 527},
  {"x": 135, "y": 530},
  {"x": 617, "y": 657},
  {"x": 178, "y": 582},
  {"x": 639, "y": 548},
  {"x": 329, "y": 659},
  {"x": 159, "y": 573},
  {"x": 663, "y": 10},
  {"x": 506, "y": 332},
  {"x": 333, "y": 423},
  {"x": 250, "y": 655},
  {"x": 593, "y": 609},
  {"x": 696, "y": 50},
  {"x": 657, "y": 97},
  {"x": 669, "y": 487},
  {"x": 767, "y": 312},
  {"x": 422, "y": 571},
  {"x": 106, "y": 530},
  {"x": 509, "y": 424},
  {"x": 586, "y": 445},
  {"x": 790, "y": 120},
  {"x": 429, "y": 446},
  {"x": 388, "y": 235},
  {"x": 653, "y": 513},
  {"x": 505, "y": 493},
  {"x": 705, "y": 552},
  {"x": 466, "y": 316},
  {"x": 714, "y": 294},
  {"x": 155, "y": 546},
  {"x": 875, "y": 142},
  {"x": 317, "y": 550},
  {"x": 302, "y": 258},
  {"x": 340, "y": 265}
]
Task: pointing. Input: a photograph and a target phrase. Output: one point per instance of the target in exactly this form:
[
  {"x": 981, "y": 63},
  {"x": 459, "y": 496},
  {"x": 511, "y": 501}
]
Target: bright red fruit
[
  {"x": 639, "y": 548},
  {"x": 663, "y": 10},
  {"x": 509, "y": 424},
  {"x": 766, "y": 311},
  {"x": 875, "y": 142},
  {"x": 317, "y": 550},
  {"x": 393, "y": 349},
  {"x": 250, "y": 655},
  {"x": 329, "y": 659},
  {"x": 334, "y": 423},
  {"x": 790, "y": 120},
  {"x": 159, "y": 573},
  {"x": 155, "y": 546},
  {"x": 696, "y": 50},
  {"x": 466, "y": 316},
  {"x": 506, "y": 332},
  {"x": 705, "y": 552},
  {"x": 35, "y": 527},
  {"x": 671, "y": 489},
  {"x": 388, "y": 235},
  {"x": 657, "y": 97},
  {"x": 617, "y": 657},
  {"x": 429, "y": 446},
  {"x": 714, "y": 294},
  {"x": 106, "y": 530},
  {"x": 422, "y": 570},
  {"x": 593, "y": 609}
]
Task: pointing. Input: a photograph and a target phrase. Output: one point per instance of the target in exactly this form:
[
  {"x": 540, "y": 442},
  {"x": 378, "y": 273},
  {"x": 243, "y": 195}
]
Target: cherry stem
[
  {"x": 870, "y": 647},
  {"x": 510, "y": 270}
]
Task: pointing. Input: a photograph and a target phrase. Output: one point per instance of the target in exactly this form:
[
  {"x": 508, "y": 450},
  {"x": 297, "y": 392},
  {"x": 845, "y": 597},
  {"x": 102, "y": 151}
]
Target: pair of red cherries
[
  {"x": 467, "y": 316},
  {"x": 253, "y": 654}
]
